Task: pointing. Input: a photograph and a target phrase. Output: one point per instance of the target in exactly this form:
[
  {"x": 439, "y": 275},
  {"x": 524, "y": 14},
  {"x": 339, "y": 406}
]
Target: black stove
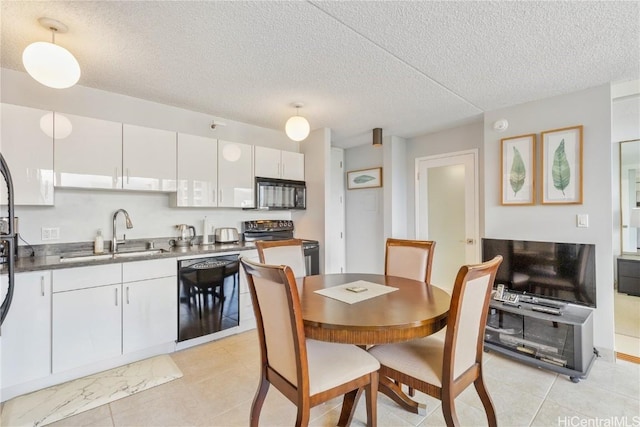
[{"x": 278, "y": 229}]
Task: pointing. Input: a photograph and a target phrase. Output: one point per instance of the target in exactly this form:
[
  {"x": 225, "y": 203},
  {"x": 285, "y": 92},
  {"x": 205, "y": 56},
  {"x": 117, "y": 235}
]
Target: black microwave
[{"x": 272, "y": 193}]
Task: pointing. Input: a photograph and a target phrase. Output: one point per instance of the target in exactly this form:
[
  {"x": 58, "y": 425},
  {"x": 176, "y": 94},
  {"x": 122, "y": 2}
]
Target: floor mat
[{"x": 64, "y": 400}]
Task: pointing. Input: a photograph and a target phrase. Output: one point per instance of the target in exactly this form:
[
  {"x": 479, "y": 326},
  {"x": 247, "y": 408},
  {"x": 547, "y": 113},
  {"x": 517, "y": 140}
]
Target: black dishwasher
[{"x": 208, "y": 295}]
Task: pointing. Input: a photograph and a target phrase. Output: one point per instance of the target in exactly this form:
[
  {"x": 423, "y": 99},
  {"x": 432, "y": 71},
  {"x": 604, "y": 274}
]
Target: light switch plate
[{"x": 582, "y": 220}]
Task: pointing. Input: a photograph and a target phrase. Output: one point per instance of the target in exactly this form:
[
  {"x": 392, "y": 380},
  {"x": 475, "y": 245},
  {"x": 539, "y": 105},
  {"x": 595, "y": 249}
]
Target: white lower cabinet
[
  {"x": 106, "y": 311},
  {"x": 26, "y": 331},
  {"x": 150, "y": 306},
  {"x": 87, "y": 326}
]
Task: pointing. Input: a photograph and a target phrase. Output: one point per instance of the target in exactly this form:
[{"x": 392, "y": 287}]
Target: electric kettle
[{"x": 187, "y": 235}]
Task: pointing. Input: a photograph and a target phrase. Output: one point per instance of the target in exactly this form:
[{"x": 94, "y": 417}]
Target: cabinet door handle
[
  {"x": 214, "y": 194},
  {"x": 115, "y": 177},
  {"x": 127, "y": 175},
  {"x": 220, "y": 194},
  {"x": 127, "y": 295},
  {"x": 116, "y": 297},
  {"x": 42, "y": 285}
]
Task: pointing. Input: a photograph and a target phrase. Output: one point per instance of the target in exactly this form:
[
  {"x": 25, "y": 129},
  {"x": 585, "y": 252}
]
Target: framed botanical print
[
  {"x": 562, "y": 166},
  {"x": 364, "y": 178},
  {"x": 518, "y": 170}
]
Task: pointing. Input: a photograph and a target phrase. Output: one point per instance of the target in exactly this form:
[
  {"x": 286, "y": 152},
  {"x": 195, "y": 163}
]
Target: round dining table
[{"x": 414, "y": 310}]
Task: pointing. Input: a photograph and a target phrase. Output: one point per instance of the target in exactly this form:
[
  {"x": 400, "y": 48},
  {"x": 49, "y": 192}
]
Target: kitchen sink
[
  {"x": 146, "y": 252},
  {"x": 123, "y": 254}
]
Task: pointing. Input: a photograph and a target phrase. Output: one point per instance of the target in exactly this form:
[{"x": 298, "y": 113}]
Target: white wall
[
  {"x": 79, "y": 213},
  {"x": 310, "y": 224},
  {"x": 365, "y": 215},
  {"x": 467, "y": 137},
  {"x": 395, "y": 187},
  {"x": 557, "y": 223}
]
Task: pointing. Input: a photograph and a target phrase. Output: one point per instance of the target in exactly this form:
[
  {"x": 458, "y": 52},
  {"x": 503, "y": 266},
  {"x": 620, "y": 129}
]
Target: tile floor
[{"x": 220, "y": 379}]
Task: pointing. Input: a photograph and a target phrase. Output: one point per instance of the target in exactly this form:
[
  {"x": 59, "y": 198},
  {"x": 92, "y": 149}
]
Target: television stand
[{"x": 561, "y": 343}]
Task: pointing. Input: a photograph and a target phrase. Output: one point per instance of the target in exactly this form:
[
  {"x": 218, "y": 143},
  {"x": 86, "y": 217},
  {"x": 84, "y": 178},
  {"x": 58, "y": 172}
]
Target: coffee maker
[{"x": 4, "y": 246}]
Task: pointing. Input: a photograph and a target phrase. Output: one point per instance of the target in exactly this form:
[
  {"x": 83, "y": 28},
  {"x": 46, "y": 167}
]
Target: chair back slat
[
  {"x": 471, "y": 310},
  {"x": 278, "y": 312},
  {"x": 278, "y": 330},
  {"x": 410, "y": 259},
  {"x": 464, "y": 340},
  {"x": 283, "y": 252}
]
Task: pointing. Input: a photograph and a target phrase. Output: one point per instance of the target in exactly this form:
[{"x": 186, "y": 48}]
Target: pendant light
[
  {"x": 297, "y": 127},
  {"x": 51, "y": 64}
]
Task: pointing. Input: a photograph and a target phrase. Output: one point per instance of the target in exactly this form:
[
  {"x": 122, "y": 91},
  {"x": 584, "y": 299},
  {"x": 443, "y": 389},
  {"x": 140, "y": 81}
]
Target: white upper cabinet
[
  {"x": 197, "y": 171},
  {"x": 90, "y": 156},
  {"x": 235, "y": 175},
  {"x": 267, "y": 162},
  {"x": 148, "y": 159},
  {"x": 27, "y": 146},
  {"x": 272, "y": 163},
  {"x": 292, "y": 165}
]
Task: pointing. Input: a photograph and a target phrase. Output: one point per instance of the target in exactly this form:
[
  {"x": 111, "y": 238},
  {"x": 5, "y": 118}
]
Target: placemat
[{"x": 343, "y": 294}]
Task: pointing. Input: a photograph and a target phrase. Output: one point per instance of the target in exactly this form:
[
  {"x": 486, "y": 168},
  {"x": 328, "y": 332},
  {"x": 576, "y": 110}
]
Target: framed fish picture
[
  {"x": 562, "y": 166},
  {"x": 364, "y": 178},
  {"x": 518, "y": 170}
]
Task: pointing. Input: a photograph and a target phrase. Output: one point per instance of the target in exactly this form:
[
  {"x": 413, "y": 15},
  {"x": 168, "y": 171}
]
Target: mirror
[{"x": 630, "y": 195}]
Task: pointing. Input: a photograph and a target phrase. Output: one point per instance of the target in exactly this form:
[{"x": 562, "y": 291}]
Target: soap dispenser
[{"x": 98, "y": 244}]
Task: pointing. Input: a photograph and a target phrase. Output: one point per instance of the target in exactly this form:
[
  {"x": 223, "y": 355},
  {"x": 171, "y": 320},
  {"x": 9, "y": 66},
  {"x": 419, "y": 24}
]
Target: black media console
[{"x": 543, "y": 333}]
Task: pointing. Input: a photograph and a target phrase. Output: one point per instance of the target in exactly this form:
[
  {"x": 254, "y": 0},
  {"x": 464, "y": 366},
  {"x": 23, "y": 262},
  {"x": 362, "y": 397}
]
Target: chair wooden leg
[
  {"x": 486, "y": 401},
  {"x": 349, "y": 403},
  {"x": 371, "y": 391},
  {"x": 449, "y": 410},
  {"x": 304, "y": 413},
  {"x": 258, "y": 401}
]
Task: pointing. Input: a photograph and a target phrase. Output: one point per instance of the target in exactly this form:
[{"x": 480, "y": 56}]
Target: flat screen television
[{"x": 557, "y": 271}]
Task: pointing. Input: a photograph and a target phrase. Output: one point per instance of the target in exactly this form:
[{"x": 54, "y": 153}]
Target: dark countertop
[{"x": 52, "y": 262}]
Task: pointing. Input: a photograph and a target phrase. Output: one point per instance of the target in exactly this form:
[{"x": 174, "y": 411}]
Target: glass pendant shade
[
  {"x": 51, "y": 65},
  {"x": 297, "y": 128}
]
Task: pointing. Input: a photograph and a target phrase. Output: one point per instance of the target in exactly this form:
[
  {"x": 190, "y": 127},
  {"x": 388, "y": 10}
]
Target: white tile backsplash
[{"x": 80, "y": 213}]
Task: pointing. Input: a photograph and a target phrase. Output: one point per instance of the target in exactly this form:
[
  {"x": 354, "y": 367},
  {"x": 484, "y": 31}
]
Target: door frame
[{"x": 476, "y": 192}]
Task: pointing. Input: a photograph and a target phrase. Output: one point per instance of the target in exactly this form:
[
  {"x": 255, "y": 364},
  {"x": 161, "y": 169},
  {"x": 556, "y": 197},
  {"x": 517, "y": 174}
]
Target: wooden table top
[{"x": 415, "y": 310}]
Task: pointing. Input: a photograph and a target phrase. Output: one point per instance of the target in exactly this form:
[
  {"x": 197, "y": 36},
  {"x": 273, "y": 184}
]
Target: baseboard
[{"x": 628, "y": 358}]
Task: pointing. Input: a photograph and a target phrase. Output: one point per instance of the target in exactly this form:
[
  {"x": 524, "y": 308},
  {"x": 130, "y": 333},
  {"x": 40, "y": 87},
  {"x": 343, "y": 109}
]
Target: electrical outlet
[
  {"x": 50, "y": 233},
  {"x": 55, "y": 233}
]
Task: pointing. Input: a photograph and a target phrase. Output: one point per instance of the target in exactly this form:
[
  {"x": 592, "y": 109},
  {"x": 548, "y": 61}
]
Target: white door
[
  {"x": 335, "y": 243},
  {"x": 447, "y": 212}
]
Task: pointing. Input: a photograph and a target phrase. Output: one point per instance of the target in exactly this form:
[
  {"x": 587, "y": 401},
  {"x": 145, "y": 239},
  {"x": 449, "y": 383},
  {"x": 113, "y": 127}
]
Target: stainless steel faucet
[{"x": 115, "y": 242}]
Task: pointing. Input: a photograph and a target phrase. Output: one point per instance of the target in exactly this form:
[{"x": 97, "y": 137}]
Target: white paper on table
[{"x": 341, "y": 293}]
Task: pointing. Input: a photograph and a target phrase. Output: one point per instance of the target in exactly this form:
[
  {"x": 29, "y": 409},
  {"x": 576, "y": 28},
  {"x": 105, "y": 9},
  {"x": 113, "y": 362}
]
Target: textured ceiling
[{"x": 407, "y": 67}]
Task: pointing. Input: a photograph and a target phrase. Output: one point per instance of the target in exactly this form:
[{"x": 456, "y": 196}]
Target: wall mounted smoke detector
[{"x": 501, "y": 125}]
